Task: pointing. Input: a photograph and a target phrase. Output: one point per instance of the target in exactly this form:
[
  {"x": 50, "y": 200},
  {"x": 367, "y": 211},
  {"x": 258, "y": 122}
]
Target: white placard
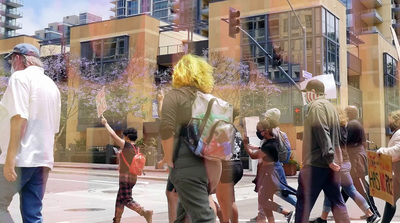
[
  {"x": 329, "y": 82},
  {"x": 307, "y": 75}
]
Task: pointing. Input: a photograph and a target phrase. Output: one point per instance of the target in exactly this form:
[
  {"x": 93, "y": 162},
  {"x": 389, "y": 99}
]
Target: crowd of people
[{"x": 334, "y": 153}]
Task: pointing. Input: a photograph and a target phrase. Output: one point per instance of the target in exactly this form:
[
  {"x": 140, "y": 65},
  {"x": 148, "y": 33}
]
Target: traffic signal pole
[{"x": 266, "y": 53}]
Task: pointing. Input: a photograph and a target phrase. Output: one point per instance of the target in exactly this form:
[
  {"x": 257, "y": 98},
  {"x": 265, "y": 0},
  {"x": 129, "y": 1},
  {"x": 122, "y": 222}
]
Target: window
[
  {"x": 133, "y": 7},
  {"x": 391, "y": 83},
  {"x": 146, "y": 6},
  {"x": 331, "y": 46},
  {"x": 105, "y": 51}
]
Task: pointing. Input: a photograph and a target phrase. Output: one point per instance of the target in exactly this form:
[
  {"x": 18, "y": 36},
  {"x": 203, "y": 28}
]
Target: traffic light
[
  {"x": 276, "y": 57},
  {"x": 234, "y": 22},
  {"x": 297, "y": 115}
]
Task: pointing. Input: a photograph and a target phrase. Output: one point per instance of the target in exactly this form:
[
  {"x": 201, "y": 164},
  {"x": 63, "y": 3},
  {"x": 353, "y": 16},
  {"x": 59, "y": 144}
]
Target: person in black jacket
[{"x": 268, "y": 182}]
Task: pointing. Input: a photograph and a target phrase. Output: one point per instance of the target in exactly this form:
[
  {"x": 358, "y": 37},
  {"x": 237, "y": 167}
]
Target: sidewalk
[{"x": 149, "y": 170}]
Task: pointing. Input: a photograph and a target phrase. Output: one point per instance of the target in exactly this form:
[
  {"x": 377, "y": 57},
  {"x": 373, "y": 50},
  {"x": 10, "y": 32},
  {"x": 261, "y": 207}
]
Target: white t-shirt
[{"x": 35, "y": 97}]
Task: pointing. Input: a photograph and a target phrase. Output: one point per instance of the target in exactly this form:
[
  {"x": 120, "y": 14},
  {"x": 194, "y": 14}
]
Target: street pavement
[{"x": 85, "y": 193}]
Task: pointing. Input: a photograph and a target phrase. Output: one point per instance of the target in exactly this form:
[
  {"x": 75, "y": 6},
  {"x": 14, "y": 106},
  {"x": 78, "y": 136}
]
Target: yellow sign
[{"x": 380, "y": 176}]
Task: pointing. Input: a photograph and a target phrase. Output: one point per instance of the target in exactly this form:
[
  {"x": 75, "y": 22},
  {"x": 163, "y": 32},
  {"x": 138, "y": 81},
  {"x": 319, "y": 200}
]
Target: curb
[{"x": 147, "y": 169}]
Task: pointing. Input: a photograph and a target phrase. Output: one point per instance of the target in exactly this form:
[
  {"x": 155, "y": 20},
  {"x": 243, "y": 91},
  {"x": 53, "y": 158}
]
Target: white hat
[{"x": 273, "y": 113}]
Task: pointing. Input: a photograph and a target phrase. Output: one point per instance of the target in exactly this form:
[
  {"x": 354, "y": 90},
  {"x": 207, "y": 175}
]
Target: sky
[{"x": 38, "y": 13}]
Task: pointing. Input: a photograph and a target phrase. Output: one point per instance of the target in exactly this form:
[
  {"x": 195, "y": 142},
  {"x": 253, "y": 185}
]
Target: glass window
[
  {"x": 391, "y": 83},
  {"x": 133, "y": 7},
  {"x": 145, "y": 6}
]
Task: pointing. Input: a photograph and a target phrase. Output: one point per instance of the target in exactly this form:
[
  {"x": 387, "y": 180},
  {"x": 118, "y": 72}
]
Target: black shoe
[
  {"x": 373, "y": 219},
  {"x": 319, "y": 220}
]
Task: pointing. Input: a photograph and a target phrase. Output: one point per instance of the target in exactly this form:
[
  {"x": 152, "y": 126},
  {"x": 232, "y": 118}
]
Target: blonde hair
[
  {"x": 193, "y": 71},
  {"x": 395, "y": 116},
  {"x": 351, "y": 111},
  {"x": 267, "y": 124},
  {"x": 342, "y": 116}
]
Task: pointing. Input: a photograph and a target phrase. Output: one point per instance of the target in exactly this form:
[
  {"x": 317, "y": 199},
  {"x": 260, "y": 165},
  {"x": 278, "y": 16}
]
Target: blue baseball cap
[{"x": 25, "y": 49}]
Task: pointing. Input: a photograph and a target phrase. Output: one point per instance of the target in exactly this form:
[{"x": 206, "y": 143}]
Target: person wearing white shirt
[
  {"x": 393, "y": 149},
  {"x": 29, "y": 118}
]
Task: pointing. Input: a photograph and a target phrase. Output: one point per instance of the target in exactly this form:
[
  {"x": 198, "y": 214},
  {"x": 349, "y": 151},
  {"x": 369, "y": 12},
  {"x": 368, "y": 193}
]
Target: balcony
[
  {"x": 13, "y": 25},
  {"x": 368, "y": 30},
  {"x": 371, "y": 17},
  {"x": 13, "y": 13},
  {"x": 15, "y": 3},
  {"x": 205, "y": 11},
  {"x": 113, "y": 9},
  {"x": 168, "y": 54},
  {"x": 396, "y": 26},
  {"x": 396, "y": 9},
  {"x": 370, "y": 4},
  {"x": 353, "y": 65},
  {"x": 113, "y": 1}
]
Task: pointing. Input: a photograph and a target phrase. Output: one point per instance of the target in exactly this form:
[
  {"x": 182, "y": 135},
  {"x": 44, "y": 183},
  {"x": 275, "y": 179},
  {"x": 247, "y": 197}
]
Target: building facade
[
  {"x": 165, "y": 10},
  {"x": 349, "y": 39},
  {"x": 9, "y": 15},
  {"x": 58, "y": 30}
]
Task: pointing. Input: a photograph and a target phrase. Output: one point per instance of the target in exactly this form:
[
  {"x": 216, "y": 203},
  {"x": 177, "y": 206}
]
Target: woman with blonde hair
[
  {"x": 194, "y": 178},
  {"x": 393, "y": 149}
]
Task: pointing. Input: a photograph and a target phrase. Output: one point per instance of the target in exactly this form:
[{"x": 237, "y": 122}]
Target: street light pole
[{"x": 304, "y": 37}]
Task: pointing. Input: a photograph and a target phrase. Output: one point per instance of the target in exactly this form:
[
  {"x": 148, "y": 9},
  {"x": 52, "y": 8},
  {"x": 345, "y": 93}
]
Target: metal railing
[
  {"x": 19, "y": 2},
  {"x": 14, "y": 12},
  {"x": 14, "y": 24},
  {"x": 164, "y": 50}
]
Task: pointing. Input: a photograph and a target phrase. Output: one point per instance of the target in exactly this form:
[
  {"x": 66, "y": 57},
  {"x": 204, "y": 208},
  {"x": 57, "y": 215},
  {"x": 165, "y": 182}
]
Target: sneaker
[
  {"x": 258, "y": 219},
  {"x": 290, "y": 217},
  {"x": 373, "y": 219},
  {"x": 148, "y": 215},
  {"x": 319, "y": 220}
]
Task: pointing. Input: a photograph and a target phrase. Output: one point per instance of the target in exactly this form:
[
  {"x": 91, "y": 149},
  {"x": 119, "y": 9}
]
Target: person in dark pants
[
  {"x": 320, "y": 146},
  {"x": 188, "y": 172},
  {"x": 127, "y": 180},
  {"x": 29, "y": 119},
  {"x": 356, "y": 144},
  {"x": 393, "y": 149},
  {"x": 346, "y": 181}
]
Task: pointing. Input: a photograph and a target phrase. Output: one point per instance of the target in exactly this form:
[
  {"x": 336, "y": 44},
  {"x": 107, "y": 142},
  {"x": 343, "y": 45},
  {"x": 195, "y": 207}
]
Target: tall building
[
  {"x": 165, "y": 10},
  {"x": 58, "y": 30},
  {"x": 9, "y": 14},
  {"x": 86, "y": 18}
]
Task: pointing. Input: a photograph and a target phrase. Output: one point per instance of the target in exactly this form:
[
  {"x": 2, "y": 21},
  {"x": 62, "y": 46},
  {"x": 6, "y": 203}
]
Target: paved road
[{"x": 85, "y": 195}]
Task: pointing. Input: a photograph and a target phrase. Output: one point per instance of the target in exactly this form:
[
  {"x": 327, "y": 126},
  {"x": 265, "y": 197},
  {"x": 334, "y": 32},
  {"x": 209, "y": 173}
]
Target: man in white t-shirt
[{"x": 29, "y": 119}]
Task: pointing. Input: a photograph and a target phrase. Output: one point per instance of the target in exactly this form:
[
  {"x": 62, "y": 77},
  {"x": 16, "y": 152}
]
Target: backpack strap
[
  {"x": 126, "y": 162},
  {"x": 206, "y": 116},
  {"x": 136, "y": 152}
]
